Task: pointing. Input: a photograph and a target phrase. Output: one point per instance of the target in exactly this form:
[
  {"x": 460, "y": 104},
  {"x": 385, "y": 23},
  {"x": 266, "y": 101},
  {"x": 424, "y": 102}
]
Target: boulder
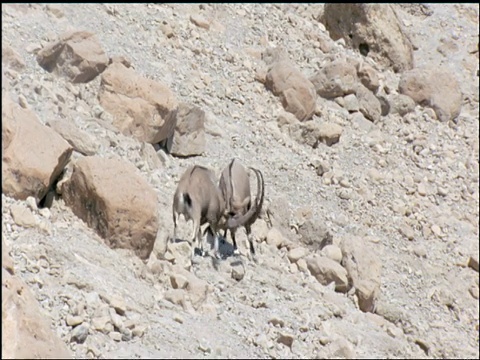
[
  {"x": 327, "y": 271},
  {"x": 189, "y": 136},
  {"x": 297, "y": 93},
  {"x": 29, "y": 173},
  {"x": 335, "y": 79},
  {"x": 314, "y": 132},
  {"x": 77, "y": 55},
  {"x": 369, "y": 105},
  {"x": 373, "y": 29},
  {"x": 435, "y": 87},
  {"x": 364, "y": 271},
  {"x": 114, "y": 200},
  {"x": 142, "y": 108}
]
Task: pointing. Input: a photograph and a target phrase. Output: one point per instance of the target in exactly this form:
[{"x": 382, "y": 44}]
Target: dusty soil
[{"x": 429, "y": 298}]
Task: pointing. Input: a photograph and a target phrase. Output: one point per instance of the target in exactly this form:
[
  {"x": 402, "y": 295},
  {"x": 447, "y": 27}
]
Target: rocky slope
[{"x": 368, "y": 242}]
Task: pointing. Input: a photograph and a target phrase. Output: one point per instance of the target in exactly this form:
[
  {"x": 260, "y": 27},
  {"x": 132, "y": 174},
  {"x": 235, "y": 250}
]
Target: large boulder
[
  {"x": 142, "y": 108},
  {"x": 26, "y": 332},
  {"x": 189, "y": 136},
  {"x": 115, "y": 201},
  {"x": 77, "y": 55},
  {"x": 297, "y": 93},
  {"x": 434, "y": 87},
  {"x": 33, "y": 155},
  {"x": 373, "y": 29}
]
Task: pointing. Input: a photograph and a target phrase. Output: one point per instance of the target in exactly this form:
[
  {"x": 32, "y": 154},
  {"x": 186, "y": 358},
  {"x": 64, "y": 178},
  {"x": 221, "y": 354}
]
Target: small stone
[
  {"x": 420, "y": 251},
  {"x": 73, "y": 320},
  {"x": 437, "y": 231},
  {"x": 115, "y": 335},
  {"x": 474, "y": 291},
  {"x": 139, "y": 330},
  {"x": 473, "y": 263},
  {"x": 333, "y": 252},
  {"x": 295, "y": 254},
  {"x": 126, "y": 334},
  {"x": 407, "y": 231},
  {"x": 80, "y": 333},
  {"x": 23, "y": 215},
  {"x": 31, "y": 203},
  {"x": 238, "y": 272},
  {"x": 421, "y": 189},
  {"x": 118, "y": 304},
  {"x": 102, "y": 324},
  {"x": 178, "y": 319},
  {"x": 200, "y": 21}
]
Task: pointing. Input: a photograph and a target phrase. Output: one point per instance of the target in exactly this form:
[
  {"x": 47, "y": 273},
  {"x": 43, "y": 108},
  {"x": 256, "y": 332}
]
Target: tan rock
[
  {"x": 80, "y": 140},
  {"x": 435, "y": 87},
  {"x": 200, "y": 21},
  {"x": 369, "y": 105},
  {"x": 142, "y": 108},
  {"x": 26, "y": 332},
  {"x": 23, "y": 216},
  {"x": 275, "y": 237},
  {"x": 189, "y": 135},
  {"x": 364, "y": 271},
  {"x": 372, "y": 29},
  {"x": 29, "y": 173},
  {"x": 314, "y": 234},
  {"x": 327, "y": 271},
  {"x": 368, "y": 76},
  {"x": 179, "y": 253},
  {"x": 110, "y": 196},
  {"x": 400, "y": 104},
  {"x": 7, "y": 262},
  {"x": 333, "y": 252},
  {"x": 77, "y": 55},
  {"x": 329, "y": 133},
  {"x": 297, "y": 253},
  {"x": 337, "y": 78},
  {"x": 296, "y": 91}
]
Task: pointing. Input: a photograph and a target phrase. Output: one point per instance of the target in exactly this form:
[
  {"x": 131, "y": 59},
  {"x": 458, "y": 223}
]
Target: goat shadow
[{"x": 225, "y": 248}]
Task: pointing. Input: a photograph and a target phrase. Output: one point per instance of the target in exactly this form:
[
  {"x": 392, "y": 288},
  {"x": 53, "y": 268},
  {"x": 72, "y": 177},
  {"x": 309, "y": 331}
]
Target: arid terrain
[{"x": 364, "y": 122}]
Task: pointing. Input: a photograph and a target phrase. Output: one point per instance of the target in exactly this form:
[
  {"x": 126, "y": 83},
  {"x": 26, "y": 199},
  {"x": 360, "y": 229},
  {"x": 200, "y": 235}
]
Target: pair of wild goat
[{"x": 224, "y": 207}]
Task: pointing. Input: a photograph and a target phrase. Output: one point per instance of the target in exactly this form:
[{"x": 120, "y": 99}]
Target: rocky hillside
[{"x": 363, "y": 120}]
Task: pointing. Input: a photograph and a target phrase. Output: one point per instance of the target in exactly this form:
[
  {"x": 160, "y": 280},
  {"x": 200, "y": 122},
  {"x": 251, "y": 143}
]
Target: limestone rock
[
  {"x": 314, "y": 234},
  {"x": 297, "y": 93},
  {"x": 189, "y": 136},
  {"x": 373, "y": 29},
  {"x": 364, "y": 271},
  {"x": 337, "y": 78},
  {"x": 77, "y": 55},
  {"x": 369, "y": 105},
  {"x": 29, "y": 173},
  {"x": 327, "y": 271},
  {"x": 115, "y": 201},
  {"x": 400, "y": 104},
  {"x": 368, "y": 76},
  {"x": 435, "y": 87},
  {"x": 142, "y": 108},
  {"x": 80, "y": 140}
]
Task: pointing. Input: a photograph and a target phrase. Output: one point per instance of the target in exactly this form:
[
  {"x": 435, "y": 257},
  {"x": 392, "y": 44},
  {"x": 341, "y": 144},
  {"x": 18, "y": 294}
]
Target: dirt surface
[{"x": 382, "y": 186}]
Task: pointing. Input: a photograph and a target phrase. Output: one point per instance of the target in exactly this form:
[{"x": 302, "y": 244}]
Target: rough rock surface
[
  {"x": 373, "y": 30},
  {"x": 434, "y": 87},
  {"x": 189, "y": 135},
  {"x": 142, "y": 108},
  {"x": 115, "y": 201},
  {"x": 27, "y": 174},
  {"x": 77, "y": 55}
]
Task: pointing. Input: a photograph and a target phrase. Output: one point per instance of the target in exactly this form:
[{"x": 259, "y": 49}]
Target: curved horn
[{"x": 252, "y": 214}]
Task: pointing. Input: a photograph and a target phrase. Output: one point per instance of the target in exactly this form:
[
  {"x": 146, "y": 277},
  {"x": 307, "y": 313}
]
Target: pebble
[{"x": 73, "y": 320}]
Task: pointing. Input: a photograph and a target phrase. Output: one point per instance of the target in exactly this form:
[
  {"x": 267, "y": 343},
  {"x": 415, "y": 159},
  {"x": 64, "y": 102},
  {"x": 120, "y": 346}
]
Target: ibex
[
  {"x": 198, "y": 198},
  {"x": 235, "y": 187}
]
